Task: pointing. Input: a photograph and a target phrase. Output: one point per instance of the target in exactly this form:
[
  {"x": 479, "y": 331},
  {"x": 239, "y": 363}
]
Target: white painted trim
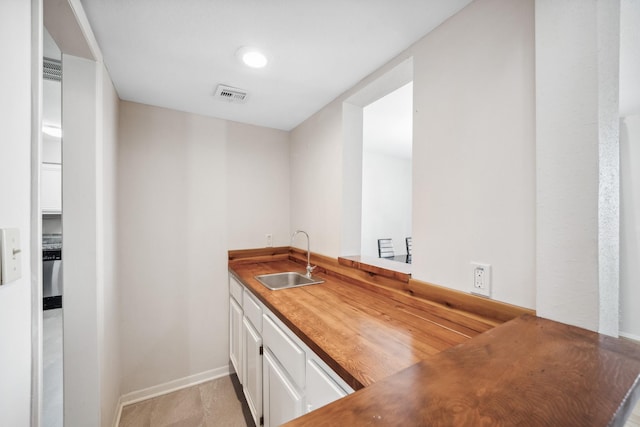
[
  {"x": 116, "y": 419},
  {"x": 630, "y": 336},
  {"x": 35, "y": 261},
  {"x": 168, "y": 387},
  {"x": 85, "y": 27}
]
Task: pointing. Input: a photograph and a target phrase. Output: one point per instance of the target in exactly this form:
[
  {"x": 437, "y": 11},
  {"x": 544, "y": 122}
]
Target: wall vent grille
[
  {"x": 52, "y": 69},
  {"x": 231, "y": 94}
]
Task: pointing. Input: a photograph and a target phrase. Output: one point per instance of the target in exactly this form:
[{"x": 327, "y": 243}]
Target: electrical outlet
[
  {"x": 481, "y": 279},
  {"x": 269, "y": 238}
]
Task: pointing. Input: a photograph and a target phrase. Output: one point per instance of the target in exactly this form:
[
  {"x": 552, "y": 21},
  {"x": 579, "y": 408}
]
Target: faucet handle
[{"x": 310, "y": 268}]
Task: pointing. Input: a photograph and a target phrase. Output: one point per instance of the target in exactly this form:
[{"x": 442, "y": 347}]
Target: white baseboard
[
  {"x": 630, "y": 336},
  {"x": 168, "y": 387},
  {"x": 116, "y": 421}
]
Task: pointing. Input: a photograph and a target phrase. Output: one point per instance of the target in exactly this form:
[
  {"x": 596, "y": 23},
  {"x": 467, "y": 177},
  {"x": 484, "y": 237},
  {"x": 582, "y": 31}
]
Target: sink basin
[{"x": 287, "y": 280}]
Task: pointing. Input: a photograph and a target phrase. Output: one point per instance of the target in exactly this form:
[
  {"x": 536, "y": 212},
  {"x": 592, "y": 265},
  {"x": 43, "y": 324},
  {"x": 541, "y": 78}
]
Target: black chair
[
  {"x": 385, "y": 248},
  {"x": 409, "y": 244}
]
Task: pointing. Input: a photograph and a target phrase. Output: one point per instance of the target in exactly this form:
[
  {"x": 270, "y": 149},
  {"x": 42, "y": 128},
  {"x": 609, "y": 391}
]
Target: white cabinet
[
  {"x": 283, "y": 374},
  {"x": 322, "y": 389},
  {"x": 285, "y": 379},
  {"x": 235, "y": 290},
  {"x": 245, "y": 344},
  {"x": 282, "y": 401},
  {"x": 235, "y": 326},
  {"x": 298, "y": 371},
  {"x": 235, "y": 336},
  {"x": 252, "y": 310},
  {"x": 280, "y": 343},
  {"x": 252, "y": 369},
  {"x": 51, "y": 188}
]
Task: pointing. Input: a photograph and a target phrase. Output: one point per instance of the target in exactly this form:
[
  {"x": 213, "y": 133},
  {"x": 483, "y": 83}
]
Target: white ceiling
[{"x": 173, "y": 53}]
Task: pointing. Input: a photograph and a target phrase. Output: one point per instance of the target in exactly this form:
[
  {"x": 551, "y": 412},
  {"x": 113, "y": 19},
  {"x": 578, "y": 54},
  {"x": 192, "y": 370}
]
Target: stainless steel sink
[{"x": 289, "y": 279}]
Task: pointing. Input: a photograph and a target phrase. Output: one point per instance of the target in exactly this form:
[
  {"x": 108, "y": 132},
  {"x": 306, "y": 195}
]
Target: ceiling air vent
[
  {"x": 52, "y": 69},
  {"x": 231, "y": 94}
]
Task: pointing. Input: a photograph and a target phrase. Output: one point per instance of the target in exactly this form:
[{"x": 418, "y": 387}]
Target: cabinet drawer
[
  {"x": 252, "y": 310},
  {"x": 235, "y": 289},
  {"x": 288, "y": 353}
]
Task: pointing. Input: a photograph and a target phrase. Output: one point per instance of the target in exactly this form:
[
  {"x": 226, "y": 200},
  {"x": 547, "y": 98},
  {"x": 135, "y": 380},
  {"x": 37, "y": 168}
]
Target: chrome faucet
[{"x": 309, "y": 267}]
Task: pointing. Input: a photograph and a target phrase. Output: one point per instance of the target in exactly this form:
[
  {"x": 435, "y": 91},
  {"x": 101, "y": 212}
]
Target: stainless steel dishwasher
[{"x": 51, "y": 271}]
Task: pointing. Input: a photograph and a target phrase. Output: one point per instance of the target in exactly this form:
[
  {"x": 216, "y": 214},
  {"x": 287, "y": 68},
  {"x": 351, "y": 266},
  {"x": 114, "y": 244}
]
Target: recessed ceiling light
[
  {"x": 252, "y": 57},
  {"x": 52, "y": 130}
]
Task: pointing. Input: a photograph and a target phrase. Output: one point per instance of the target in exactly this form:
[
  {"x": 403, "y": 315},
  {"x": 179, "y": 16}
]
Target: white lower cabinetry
[
  {"x": 283, "y": 380},
  {"x": 252, "y": 369},
  {"x": 282, "y": 401},
  {"x": 321, "y": 388},
  {"x": 235, "y": 336}
]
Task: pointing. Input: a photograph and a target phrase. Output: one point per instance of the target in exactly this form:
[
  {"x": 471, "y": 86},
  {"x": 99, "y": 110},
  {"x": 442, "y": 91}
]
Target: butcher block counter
[{"x": 450, "y": 360}]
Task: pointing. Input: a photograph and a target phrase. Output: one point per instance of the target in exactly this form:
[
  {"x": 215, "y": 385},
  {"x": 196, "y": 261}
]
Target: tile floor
[
  {"x": 214, "y": 403},
  {"x": 52, "y": 368},
  {"x": 634, "y": 419}
]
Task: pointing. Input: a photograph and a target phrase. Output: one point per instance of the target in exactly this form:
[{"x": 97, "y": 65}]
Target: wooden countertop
[
  {"x": 526, "y": 372},
  {"x": 427, "y": 362},
  {"x": 361, "y": 335}
]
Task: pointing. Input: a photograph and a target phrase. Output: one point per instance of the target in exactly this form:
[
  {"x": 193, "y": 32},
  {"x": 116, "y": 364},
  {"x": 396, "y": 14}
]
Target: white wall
[
  {"x": 189, "y": 188},
  {"x": 577, "y": 162},
  {"x": 257, "y": 186},
  {"x": 630, "y": 226},
  {"x": 474, "y": 168},
  {"x": 629, "y": 57},
  {"x": 476, "y": 105},
  {"x": 52, "y": 225},
  {"x": 80, "y": 192},
  {"x": 386, "y": 201},
  {"x": 91, "y": 311},
  {"x": 171, "y": 245},
  {"x": 110, "y": 372},
  {"x": 15, "y": 193},
  {"x": 351, "y": 229},
  {"x": 316, "y": 180},
  {"x": 629, "y": 168}
]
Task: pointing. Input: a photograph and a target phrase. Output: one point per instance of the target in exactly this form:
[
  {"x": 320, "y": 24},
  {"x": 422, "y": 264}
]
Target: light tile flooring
[
  {"x": 634, "y": 419},
  {"x": 210, "y": 404},
  {"x": 52, "y": 368}
]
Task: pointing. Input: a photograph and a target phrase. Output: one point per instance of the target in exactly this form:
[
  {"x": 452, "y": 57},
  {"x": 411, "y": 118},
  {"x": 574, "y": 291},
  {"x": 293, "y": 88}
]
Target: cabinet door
[
  {"x": 252, "y": 369},
  {"x": 51, "y": 188},
  {"x": 321, "y": 388},
  {"x": 235, "y": 336},
  {"x": 284, "y": 349},
  {"x": 282, "y": 402}
]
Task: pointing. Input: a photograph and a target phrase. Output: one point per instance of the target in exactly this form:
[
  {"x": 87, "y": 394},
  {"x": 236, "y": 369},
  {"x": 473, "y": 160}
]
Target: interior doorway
[
  {"x": 51, "y": 207},
  {"x": 387, "y": 138},
  {"x": 387, "y": 103}
]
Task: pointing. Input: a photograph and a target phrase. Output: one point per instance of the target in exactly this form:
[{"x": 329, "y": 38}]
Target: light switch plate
[{"x": 10, "y": 255}]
